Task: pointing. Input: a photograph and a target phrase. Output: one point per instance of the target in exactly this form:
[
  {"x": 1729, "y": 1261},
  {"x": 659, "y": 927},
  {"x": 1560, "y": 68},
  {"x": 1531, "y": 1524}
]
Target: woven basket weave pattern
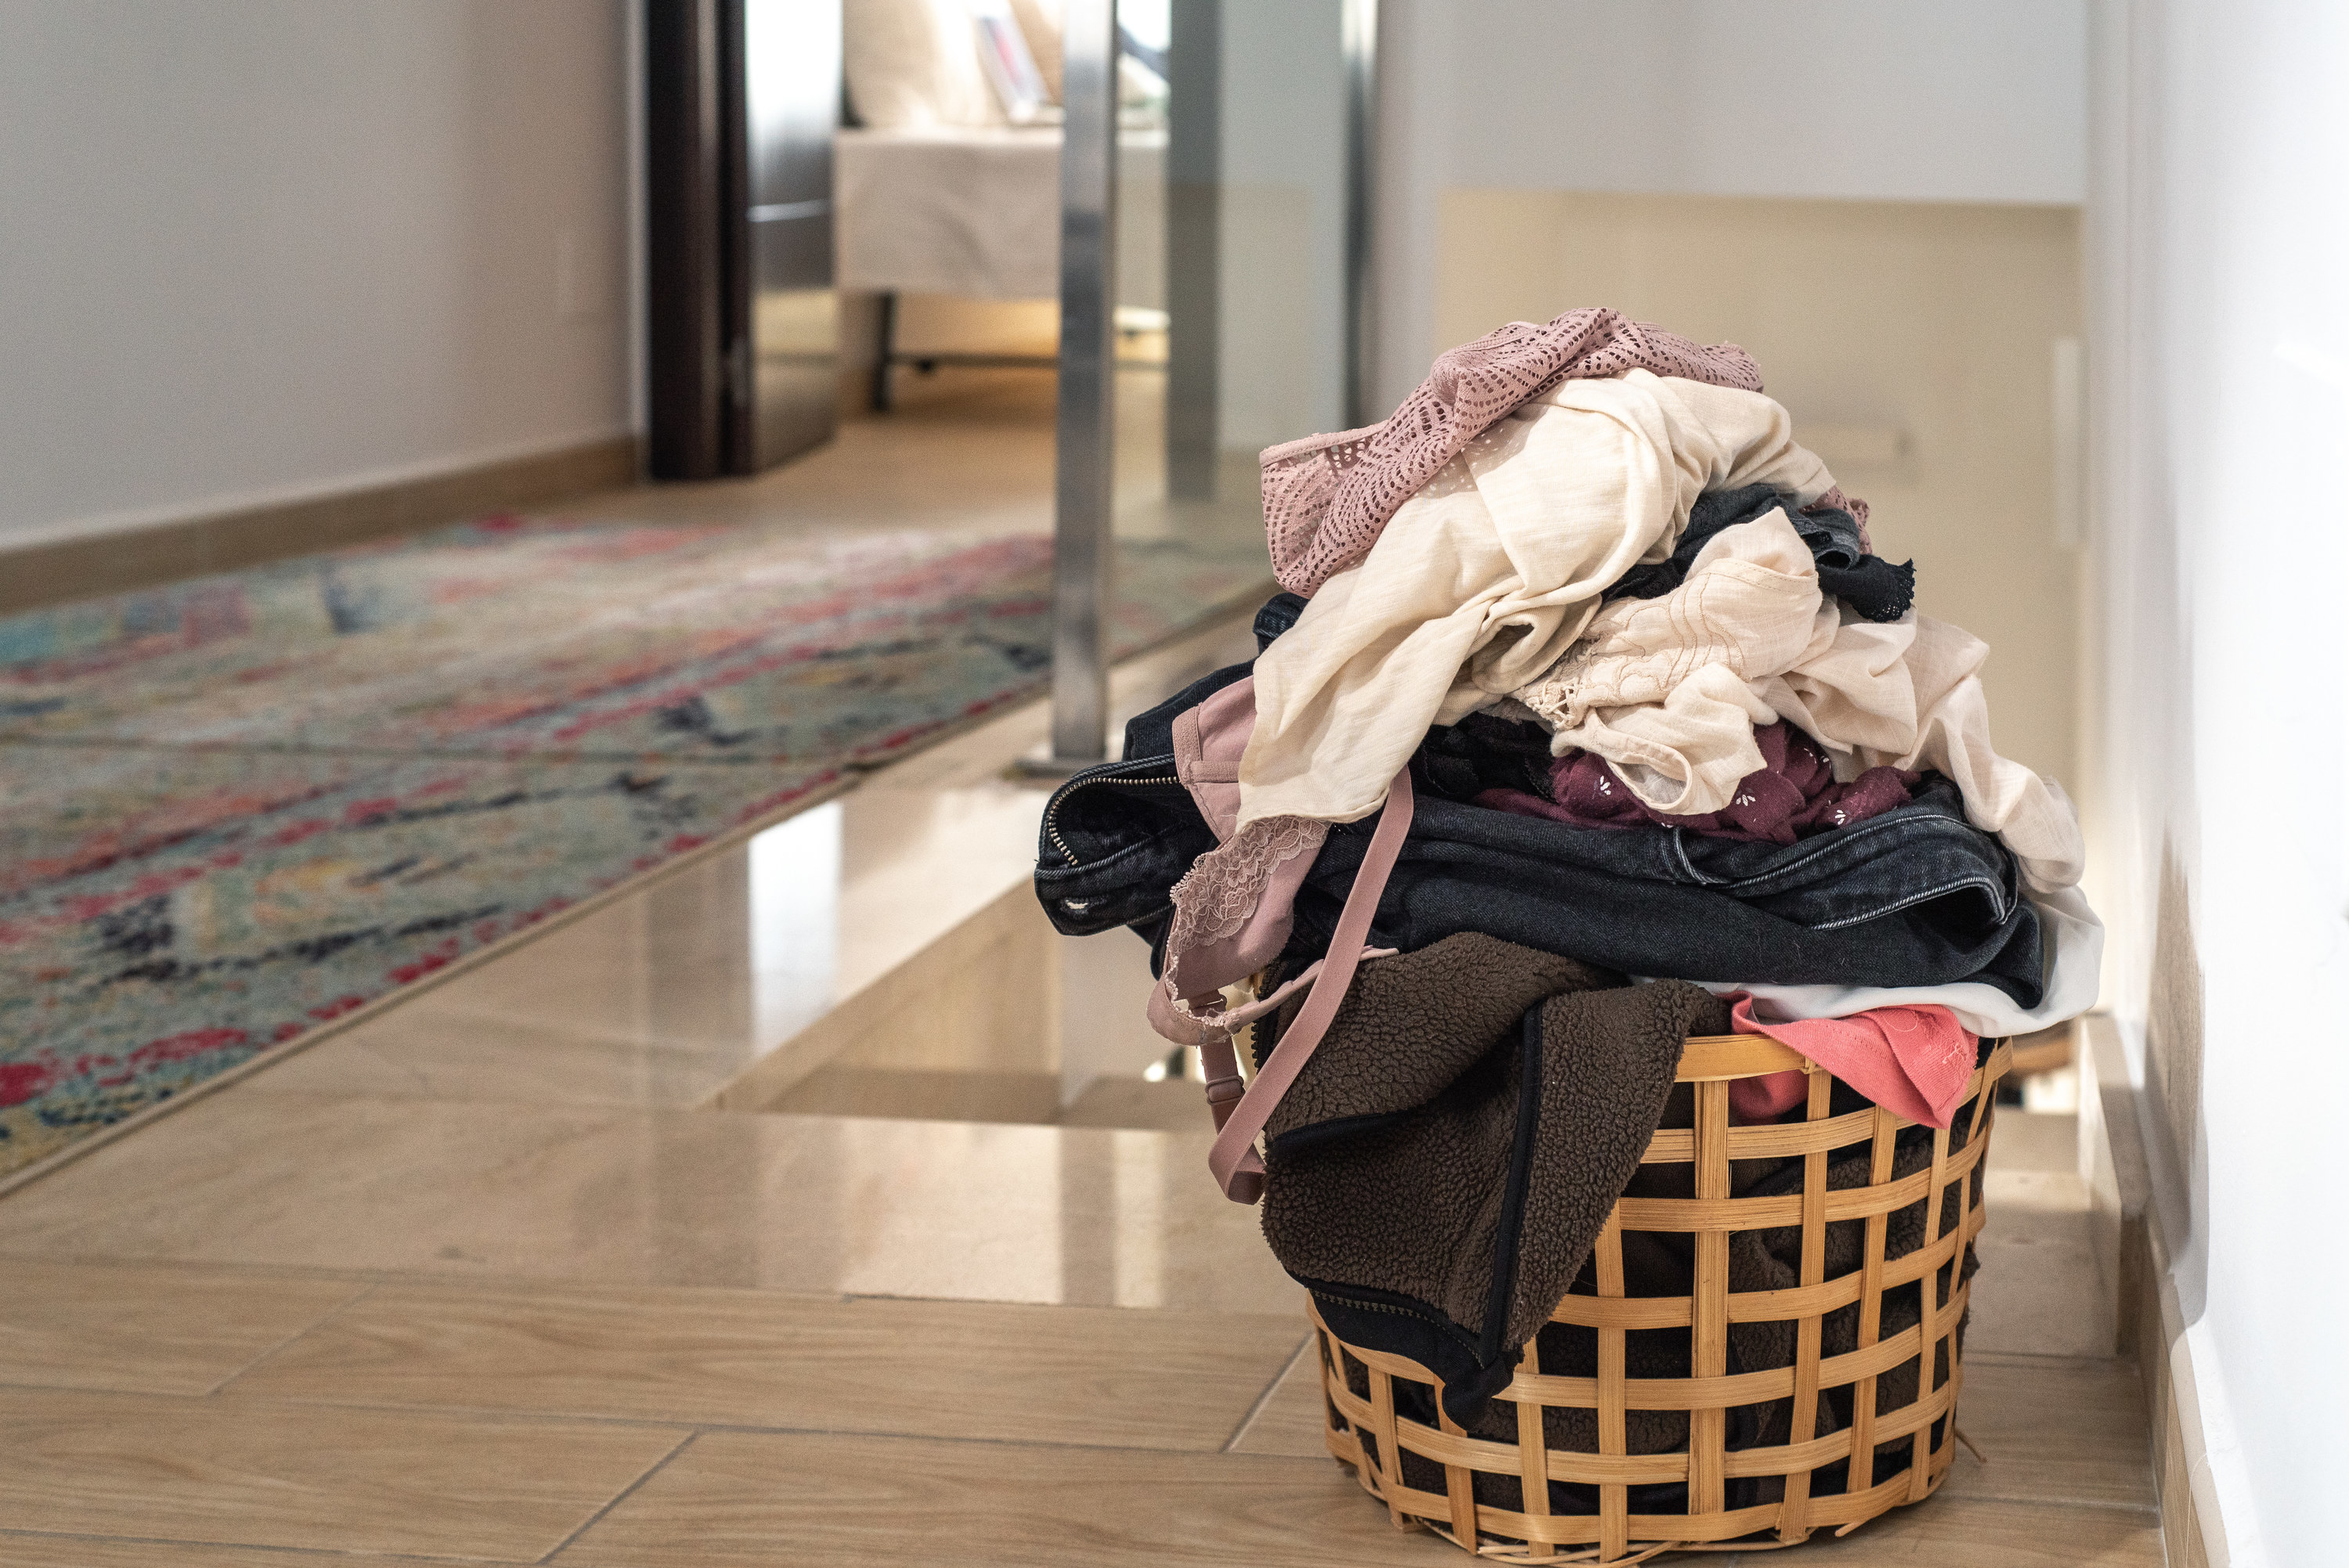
[{"x": 1911, "y": 1445}]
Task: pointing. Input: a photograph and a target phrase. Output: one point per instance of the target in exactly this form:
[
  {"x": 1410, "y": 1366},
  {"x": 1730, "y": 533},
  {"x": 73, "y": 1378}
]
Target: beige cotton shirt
[
  {"x": 1482, "y": 580},
  {"x": 1670, "y": 690}
]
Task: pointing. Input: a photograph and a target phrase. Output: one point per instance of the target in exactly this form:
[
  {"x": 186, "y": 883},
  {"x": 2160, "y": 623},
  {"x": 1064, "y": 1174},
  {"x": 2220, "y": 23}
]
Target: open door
[{"x": 741, "y": 98}]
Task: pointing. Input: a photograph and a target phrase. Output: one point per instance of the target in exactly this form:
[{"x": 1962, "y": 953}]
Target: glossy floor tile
[
  {"x": 821, "y": 1206},
  {"x": 2034, "y": 1141},
  {"x": 742, "y": 1220},
  {"x": 733, "y": 1499},
  {"x": 1956, "y": 1533},
  {"x": 924, "y": 1094},
  {"x": 738, "y": 966},
  {"x": 2053, "y": 1430},
  {"x": 22, "y": 1550},
  {"x": 1292, "y": 1418},
  {"x": 2038, "y": 1292},
  {"x": 260, "y": 1474},
  {"x": 148, "y": 1329},
  {"x": 1171, "y": 1104},
  {"x": 422, "y": 1052},
  {"x": 742, "y": 1358}
]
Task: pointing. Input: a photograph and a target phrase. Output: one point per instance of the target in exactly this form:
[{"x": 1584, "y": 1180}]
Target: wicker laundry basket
[{"x": 1427, "y": 1471}]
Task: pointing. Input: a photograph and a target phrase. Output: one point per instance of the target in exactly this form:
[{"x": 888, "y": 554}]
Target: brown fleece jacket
[{"x": 1438, "y": 1173}]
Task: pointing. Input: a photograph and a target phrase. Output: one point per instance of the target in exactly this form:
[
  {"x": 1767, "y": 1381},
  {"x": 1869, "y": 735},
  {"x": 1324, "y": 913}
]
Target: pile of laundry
[{"x": 1591, "y": 721}]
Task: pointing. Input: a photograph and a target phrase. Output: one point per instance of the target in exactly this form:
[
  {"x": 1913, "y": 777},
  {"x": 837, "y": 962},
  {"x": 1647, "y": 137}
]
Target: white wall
[
  {"x": 2219, "y": 362},
  {"x": 1282, "y": 353},
  {"x": 1884, "y": 100},
  {"x": 258, "y": 249}
]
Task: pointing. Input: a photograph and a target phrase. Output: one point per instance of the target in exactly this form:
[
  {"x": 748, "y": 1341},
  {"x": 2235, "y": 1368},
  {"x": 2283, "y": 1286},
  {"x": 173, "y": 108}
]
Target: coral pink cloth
[
  {"x": 1327, "y": 498},
  {"x": 1792, "y": 795},
  {"x": 1912, "y": 1061}
]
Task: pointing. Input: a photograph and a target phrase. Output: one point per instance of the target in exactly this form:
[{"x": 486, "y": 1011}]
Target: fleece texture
[{"x": 1440, "y": 1170}]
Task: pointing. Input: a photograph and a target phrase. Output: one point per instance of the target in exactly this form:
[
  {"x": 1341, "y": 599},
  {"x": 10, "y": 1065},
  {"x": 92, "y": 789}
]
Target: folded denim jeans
[{"x": 1914, "y": 897}]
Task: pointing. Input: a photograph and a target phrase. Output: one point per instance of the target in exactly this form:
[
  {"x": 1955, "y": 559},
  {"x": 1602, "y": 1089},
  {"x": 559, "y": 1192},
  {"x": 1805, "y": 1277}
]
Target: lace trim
[
  {"x": 1554, "y": 696},
  {"x": 1327, "y": 498},
  {"x": 1220, "y": 892}
]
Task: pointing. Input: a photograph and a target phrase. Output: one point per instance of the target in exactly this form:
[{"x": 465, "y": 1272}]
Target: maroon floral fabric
[{"x": 1793, "y": 795}]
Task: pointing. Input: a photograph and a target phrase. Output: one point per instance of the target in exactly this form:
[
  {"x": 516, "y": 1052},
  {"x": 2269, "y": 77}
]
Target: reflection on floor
[
  {"x": 806, "y": 1205},
  {"x": 242, "y": 806},
  {"x": 479, "y": 1279}
]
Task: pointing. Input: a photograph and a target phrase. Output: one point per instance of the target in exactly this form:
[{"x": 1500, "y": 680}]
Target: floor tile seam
[
  {"x": 507, "y": 1416},
  {"x": 730, "y": 838},
  {"x": 238, "y": 1402},
  {"x": 328, "y": 1554},
  {"x": 1200, "y": 1312},
  {"x": 514, "y": 1282},
  {"x": 319, "y": 1272},
  {"x": 106, "y": 1390},
  {"x": 1212, "y": 624},
  {"x": 2039, "y": 1359},
  {"x": 543, "y": 1286},
  {"x": 1264, "y": 1398},
  {"x": 271, "y": 1354},
  {"x": 507, "y": 1097},
  {"x": 1973, "y": 1493},
  {"x": 620, "y": 1497},
  {"x": 540, "y": 1287},
  {"x": 1038, "y": 1444},
  {"x": 643, "y": 1042}
]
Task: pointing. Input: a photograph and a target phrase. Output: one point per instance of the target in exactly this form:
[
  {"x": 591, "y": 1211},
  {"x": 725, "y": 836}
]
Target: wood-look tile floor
[
  {"x": 483, "y": 1286},
  {"x": 201, "y": 1372}
]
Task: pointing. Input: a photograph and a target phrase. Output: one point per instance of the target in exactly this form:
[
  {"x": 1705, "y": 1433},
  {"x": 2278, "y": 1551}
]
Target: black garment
[
  {"x": 1916, "y": 896},
  {"x": 1280, "y": 613},
  {"x": 1461, "y": 761},
  {"x": 1869, "y": 584},
  {"x": 1117, "y": 838}
]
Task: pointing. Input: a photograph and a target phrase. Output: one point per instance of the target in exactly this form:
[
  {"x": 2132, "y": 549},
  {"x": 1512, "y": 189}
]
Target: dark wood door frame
[{"x": 686, "y": 256}]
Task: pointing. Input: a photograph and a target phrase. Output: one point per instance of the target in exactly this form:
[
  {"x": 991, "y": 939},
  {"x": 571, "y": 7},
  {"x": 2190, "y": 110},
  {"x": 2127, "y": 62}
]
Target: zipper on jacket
[
  {"x": 1444, "y": 1326},
  {"x": 1052, "y": 812}
]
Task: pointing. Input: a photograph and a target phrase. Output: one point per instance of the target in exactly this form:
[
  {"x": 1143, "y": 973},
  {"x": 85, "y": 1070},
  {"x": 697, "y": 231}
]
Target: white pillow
[{"x": 912, "y": 64}]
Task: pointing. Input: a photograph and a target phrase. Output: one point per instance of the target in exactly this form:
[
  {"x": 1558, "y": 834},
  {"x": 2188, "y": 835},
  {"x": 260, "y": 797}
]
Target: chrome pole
[
  {"x": 1085, "y": 432},
  {"x": 1195, "y": 183},
  {"x": 1358, "y": 42}
]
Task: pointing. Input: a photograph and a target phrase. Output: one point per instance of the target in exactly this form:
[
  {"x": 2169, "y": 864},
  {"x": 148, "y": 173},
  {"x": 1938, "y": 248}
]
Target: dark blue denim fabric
[
  {"x": 1117, "y": 838},
  {"x": 1280, "y": 613},
  {"x": 1916, "y": 896}
]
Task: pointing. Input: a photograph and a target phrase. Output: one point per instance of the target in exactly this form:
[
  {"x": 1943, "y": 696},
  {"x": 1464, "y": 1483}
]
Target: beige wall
[
  {"x": 1912, "y": 341},
  {"x": 262, "y": 251}
]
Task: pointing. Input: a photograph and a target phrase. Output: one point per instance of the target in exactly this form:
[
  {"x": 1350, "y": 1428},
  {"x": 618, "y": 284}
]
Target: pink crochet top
[{"x": 1326, "y": 497}]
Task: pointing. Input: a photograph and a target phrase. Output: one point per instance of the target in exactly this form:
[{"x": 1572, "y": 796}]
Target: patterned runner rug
[{"x": 236, "y": 808}]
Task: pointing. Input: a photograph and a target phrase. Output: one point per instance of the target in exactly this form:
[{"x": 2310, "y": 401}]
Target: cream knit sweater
[{"x": 1484, "y": 578}]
